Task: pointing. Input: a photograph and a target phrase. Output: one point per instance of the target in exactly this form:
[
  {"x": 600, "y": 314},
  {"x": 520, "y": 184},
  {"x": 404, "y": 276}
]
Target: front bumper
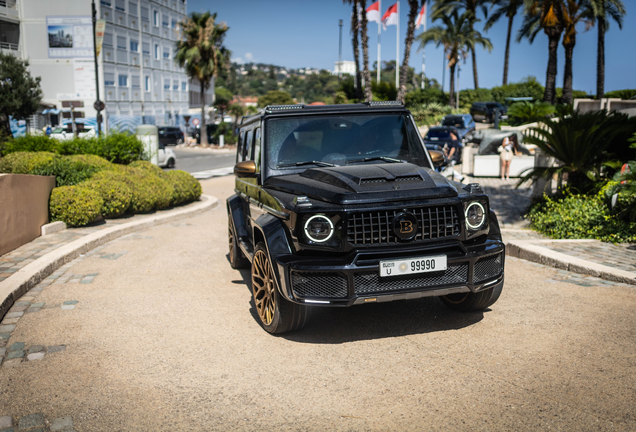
[{"x": 354, "y": 278}]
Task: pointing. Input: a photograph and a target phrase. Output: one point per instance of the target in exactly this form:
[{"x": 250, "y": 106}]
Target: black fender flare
[{"x": 235, "y": 212}]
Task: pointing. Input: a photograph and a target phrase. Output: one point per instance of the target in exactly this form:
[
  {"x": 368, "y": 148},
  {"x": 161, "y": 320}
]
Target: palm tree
[
  {"x": 355, "y": 29},
  {"x": 574, "y": 11},
  {"x": 446, "y": 6},
  {"x": 457, "y": 36},
  {"x": 201, "y": 53},
  {"x": 601, "y": 11},
  {"x": 368, "y": 96},
  {"x": 410, "y": 32},
  {"x": 546, "y": 15},
  {"x": 507, "y": 8}
]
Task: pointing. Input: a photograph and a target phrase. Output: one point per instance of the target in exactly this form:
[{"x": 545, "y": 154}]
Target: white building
[
  {"x": 345, "y": 67},
  {"x": 137, "y": 73}
]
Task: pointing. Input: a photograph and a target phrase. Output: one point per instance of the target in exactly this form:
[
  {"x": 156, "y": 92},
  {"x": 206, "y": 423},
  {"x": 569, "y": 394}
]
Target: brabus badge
[{"x": 405, "y": 225}]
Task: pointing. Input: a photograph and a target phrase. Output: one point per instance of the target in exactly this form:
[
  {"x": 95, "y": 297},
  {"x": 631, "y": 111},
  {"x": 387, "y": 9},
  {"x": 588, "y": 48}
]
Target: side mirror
[
  {"x": 437, "y": 157},
  {"x": 245, "y": 169}
]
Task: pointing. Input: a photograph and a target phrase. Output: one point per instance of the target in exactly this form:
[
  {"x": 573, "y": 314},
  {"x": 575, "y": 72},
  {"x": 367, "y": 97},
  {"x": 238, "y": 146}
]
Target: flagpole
[
  {"x": 379, "y": 32},
  {"x": 397, "y": 50}
]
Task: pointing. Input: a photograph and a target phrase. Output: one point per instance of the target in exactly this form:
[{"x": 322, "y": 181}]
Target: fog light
[{"x": 319, "y": 228}]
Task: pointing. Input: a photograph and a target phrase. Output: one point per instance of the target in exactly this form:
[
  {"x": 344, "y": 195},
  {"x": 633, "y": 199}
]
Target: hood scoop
[{"x": 387, "y": 179}]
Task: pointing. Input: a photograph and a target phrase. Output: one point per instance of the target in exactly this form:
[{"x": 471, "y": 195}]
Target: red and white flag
[
  {"x": 390, "y": 17},
  {"x": 373, "y": 12},
  {"x": 421, "y": 18}
]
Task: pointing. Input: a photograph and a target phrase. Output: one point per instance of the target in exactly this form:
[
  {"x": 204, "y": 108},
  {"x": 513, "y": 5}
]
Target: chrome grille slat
[{"x": 375, "y": 227}]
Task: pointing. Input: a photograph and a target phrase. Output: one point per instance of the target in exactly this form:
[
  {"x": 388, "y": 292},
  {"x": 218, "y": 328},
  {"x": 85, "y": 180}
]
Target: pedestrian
[
  {"x": 454, "y": 157},
  {"x": 507, "y": 150}
]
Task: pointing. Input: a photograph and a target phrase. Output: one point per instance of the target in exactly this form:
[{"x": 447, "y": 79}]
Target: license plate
[{"x": 413, "y": 265}]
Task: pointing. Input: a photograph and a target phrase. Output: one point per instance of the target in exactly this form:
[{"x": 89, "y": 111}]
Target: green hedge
[
  {"x": 75, "y": 205},
  {"x": 116, "y": 196},
  {"x": 186, "y": 188}
]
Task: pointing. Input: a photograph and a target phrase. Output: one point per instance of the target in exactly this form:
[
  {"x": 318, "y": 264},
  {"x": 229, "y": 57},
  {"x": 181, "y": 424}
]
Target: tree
[
  {"x": 574, "y": 11},
  {"x": 368, "y": 95},
  {"x": 355, "y": 29},
  {"x": 238, "y": 111},
  {"x": 275, "y": 97},
  {"x": 546, "y": 15},
  {"x": 472, "y": 6},
  {"x": 20, "y": 93},
  {"x": 509, "y": 9},
  {"x": 601, "y": 11},
  {"x": 222, "y": 99},
  {"x": 457, "y": 36},
  {"x": 410, "y": 31},
  {"x": 200, "y": 51}
]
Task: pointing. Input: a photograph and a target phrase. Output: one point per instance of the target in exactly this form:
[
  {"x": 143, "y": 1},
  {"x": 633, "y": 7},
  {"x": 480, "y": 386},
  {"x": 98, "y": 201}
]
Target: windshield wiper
[
  {"x": 382, "y": 158},
  {"x": 319, "y": 163}
]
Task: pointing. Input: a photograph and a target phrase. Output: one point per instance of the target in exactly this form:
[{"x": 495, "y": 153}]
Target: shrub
[
  {"x": 623, "y": 185},
  {"x": 67, "y": 172},
  {"x": 426, "y": 96},
  {"x": 25, "y": 162},
  {"x": 92, "y": 160},
  {"x": 29, "y": 143},
  {"x": 120, "y": 148},
  {"x": 529, "y": 112},
  {"x": 469, "y": 96},
  {"x": 528, "y": 87},
  {"x": 225, "y": 129},
  {"x": 579, "y": 216},
  {"x": 623, "y": 94},
  {"x": 116, "y": 196},
  {"x": 186, "y": 188},
  {"x": 431, "y": 113},
  {"x": 147, "y": 166},
  {"x": 75, "y": 205}
]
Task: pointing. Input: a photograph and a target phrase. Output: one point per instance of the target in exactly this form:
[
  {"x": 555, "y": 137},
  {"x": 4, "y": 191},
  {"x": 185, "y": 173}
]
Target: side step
[{"x": 247, "y": 250}]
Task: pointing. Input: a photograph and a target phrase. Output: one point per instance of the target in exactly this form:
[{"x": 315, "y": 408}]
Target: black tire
[
  {"x": 470, "y": 302},
  {"x": 276, "y": 315},
  {"x": 237, "y": 259},
  {"x": 171, "y": 163}
]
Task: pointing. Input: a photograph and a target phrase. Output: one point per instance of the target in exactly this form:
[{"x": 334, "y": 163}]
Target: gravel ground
[{"x": 164, "y": 337}]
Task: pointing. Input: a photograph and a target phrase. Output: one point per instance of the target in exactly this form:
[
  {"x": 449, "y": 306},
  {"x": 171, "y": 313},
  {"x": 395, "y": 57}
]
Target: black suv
[
  {"x": 485, "y": 111},
  {"x": 340, "y": 205},
  {"x": 170, "y": 135}
]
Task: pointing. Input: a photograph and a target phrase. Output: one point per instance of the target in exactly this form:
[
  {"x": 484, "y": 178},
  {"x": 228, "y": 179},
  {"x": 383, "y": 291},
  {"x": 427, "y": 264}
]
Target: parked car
[
  {"x": 340, "y": 205},
  {"x": 464, "y": 124},
  {"x": 211, "y": 127},
  {"x": 65, "y": 132},
  {"x": 485, "y": 111},
  {"x": 440, "y": 136},
  {"x": 170, "y": 135},
  {"x": 166, "y": 158}
]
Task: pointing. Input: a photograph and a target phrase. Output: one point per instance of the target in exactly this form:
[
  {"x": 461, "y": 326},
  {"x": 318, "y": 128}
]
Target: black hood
[{"x": 365, "y": 183}]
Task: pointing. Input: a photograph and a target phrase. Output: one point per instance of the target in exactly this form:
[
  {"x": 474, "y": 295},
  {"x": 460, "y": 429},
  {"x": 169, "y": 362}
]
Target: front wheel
[
  {"x": 171, "y": 163},
  {"x": 275, "y": 314},
  {"x": 470, "y": 301}
]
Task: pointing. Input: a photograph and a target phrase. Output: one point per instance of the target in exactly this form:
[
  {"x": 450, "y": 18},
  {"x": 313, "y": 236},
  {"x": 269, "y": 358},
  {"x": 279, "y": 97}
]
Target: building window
[
  {"x": 123, "y": 80},
  {"x": 121, "y": 42},
  {"x": 108, "y": 39},
  {"x": 109, "y": 79},
  {"x": 175, "y": 85},
  {"x": 132, "y": 8},
  {"x": 134, "y": 81},
  {"x": 147, "y": 83},
  {"x": 157, "y": 51},
  {"x": 120, "y": 5},
  {"x": 184, "y": 86},
  {"x": 166, "y": 53},
  {"x": 144, "y": 13},
  {"x": 166, "y": 84},
  {"x": 165, "y": 21},
  {"x": 174, "y": 23},
  {"x": 146, "y": 48},
  {"x": 105, "y": 3},
  {"x": 134, "y": 46},
  {"x": 155, "y": 18}
]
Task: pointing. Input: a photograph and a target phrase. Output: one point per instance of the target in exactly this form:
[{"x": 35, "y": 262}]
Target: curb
[
  {"x": 14, "y": 287},
  {"x": 531, "y": 251}
]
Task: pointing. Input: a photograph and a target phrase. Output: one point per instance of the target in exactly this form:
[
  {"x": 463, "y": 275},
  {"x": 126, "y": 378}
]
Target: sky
[{"x": 304, "y": 33}]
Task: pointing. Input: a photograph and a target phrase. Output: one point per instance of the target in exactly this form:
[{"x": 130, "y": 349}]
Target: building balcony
[{"x": 9, "y": 48}]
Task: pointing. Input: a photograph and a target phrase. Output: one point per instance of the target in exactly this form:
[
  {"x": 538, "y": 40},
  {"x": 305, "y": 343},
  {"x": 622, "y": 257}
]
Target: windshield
[
  {"x": 342, "y": 139},
  {"x": 438, "y": 133}
]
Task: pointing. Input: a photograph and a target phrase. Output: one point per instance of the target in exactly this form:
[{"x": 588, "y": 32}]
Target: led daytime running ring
[
  {"x": 330, "y": 226},
  {"x": 483, "y": 218}
]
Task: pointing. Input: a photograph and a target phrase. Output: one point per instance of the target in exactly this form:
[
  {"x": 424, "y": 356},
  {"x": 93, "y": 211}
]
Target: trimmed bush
[
  {"x": 147, "y": 166},
  {"x": 29, "y": 143},
  {"x": 25, "y": 162},
  {"x": 75, "y": 205},
  {"x": 116, "y": 196},
  {"x": 186, "y": 188},
  {"x": 120, "y": 148},
  {"x": 92, "y": 160}
]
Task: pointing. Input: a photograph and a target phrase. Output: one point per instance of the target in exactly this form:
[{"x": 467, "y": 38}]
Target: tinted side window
[
  {"x": 239, "y": 147},
  {"x": 257, "y": 149},
  {"x": 247, "y": 147}
]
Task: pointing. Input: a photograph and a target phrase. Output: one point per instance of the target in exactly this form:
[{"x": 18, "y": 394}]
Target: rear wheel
[
  {"x": 171, "y": 163},
  {"x": 276, "y": 314},
  {"x": 470, "y": 301}
]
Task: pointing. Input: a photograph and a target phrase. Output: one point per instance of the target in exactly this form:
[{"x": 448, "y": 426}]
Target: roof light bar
[
  {"x": 384, "y": 103},
  {"x": 284, "y": 107}
]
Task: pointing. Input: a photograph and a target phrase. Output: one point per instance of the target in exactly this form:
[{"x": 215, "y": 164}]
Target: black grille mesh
[
  {"x": 328, "y": 285},
  {"x": 374, "y": 227},
  {"x": 487, "y": 268},
  {"x": 371, "y": 282}
]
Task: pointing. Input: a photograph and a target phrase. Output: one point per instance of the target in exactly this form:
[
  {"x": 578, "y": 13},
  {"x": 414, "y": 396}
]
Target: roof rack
[
  {"x": 384, "y": 103},
  {"x": 284, "y": 107}
]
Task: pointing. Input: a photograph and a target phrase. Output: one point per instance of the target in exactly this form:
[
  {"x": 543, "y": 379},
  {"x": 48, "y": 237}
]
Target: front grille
[
  {"x": 328, "y": 285},
  {"x": 397, "y": 179},
  {"x": 374, "y": 227},
  {"x": 487, "y": 268},
  {"x": 365, "y": 283}
]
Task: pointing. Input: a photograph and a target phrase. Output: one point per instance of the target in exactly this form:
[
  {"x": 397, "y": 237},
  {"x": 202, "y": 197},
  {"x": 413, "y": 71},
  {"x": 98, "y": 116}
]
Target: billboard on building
[{"x": 70, "y": 36}]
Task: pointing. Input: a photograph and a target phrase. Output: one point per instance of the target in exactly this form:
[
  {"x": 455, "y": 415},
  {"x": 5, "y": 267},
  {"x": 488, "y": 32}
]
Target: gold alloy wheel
[
  {"x": 263, "y": 287},
  {"x": 230, "y": 239}
]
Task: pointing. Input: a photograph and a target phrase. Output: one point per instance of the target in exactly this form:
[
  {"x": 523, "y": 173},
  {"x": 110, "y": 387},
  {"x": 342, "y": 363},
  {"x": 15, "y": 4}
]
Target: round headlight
[
  {"x": 475, "y": 215},
  {"x": 319, "y": 228}
]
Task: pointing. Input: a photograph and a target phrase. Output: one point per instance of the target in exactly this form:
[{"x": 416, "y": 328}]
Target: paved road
[
  {"x": 201, "y": 160},
  {"x": 163, "y": 336}
]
